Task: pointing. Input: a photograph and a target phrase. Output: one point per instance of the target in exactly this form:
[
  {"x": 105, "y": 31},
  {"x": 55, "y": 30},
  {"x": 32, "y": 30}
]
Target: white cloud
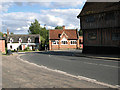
[
  {"x": 18, "y": 29},
  {"x": 19, "y": 22}
]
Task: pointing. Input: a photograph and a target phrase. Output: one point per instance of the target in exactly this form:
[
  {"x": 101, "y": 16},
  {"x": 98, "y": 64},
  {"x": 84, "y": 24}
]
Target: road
[{"x": 101, "y": 70}]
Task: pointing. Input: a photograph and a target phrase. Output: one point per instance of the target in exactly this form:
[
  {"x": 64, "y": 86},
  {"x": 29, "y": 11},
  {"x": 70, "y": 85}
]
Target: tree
[
  {"x": 35, "y": 28},
  {"x": 11, "y": 33},
  {"x": 58, "y": 27},
  {"x": 1, "y": 34},
  {"x": 80, "y": 32}
]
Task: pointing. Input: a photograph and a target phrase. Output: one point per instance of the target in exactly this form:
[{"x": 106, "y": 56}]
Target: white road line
[
  {"x": 102, "y": 65},
  {"x": 92, "y": 63},
  {"x": 65, "y": 73}
]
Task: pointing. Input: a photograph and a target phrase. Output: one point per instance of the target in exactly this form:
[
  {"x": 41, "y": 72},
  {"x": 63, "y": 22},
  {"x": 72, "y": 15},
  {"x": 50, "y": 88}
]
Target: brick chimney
[
  {"x": 4, "y": 35},
  {"x": 7, "y": 32},
  {"x": 63, "y": 27}
]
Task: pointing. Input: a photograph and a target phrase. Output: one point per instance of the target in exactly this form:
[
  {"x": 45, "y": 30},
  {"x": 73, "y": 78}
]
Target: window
[
  {"x": 10, "y": 46},
  {"x": 90, "y": 19},
  {"x": 64, "y": 42},
  {"x": 92, "y": 36},
  {"x": 116, "y": 36},
  {"x": 59, "y": 35},
  {"x": 73, "y": 42},
  {"x": 56, "y": 42},
  {"x": 20, "y": 40},
  {"x": 11, "y": 40},
  {"x": 29, "y": 40},
  {"x": 80, "y": 41},
  {"x": 36, "y": 40},
  {"x": 109, "y": 16}
]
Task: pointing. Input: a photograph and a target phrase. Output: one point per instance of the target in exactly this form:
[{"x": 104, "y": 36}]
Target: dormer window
[
  {"x": 29, "y": 40},
  {"x": 11, "y": 40},
  {"x": 59, "y": 35},
  {"x": 20, "y": 40}
]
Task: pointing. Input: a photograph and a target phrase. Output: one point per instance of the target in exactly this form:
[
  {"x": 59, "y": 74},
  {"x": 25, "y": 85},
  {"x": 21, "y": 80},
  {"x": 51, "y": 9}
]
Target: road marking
[
  {"x": 101, "y": 65},
  {"x": 65, "y": 73},
  {"x": 92, "y": 63}
]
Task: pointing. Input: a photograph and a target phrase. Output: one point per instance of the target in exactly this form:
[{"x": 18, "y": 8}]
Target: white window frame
[
  {"x": 19, "y": 40},
  {"x": 11, "y": 40},
  {"x": 29, "y": 40},
  {"x": 56, "y": 42},
  {"x": 64, "y": 40},
  {"x": 64, "y": 44},
  {"x": 75, "y": 42}
]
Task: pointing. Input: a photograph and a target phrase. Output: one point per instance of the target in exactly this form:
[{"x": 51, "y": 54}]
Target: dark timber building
[{"x": 100, "y": 22}]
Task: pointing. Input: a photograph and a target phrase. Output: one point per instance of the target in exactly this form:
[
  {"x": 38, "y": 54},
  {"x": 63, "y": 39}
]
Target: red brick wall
[
  {"x": 63, "y": 47},
  {"x": 2, "y": 46},
  {"x": 80, "y": 42}
]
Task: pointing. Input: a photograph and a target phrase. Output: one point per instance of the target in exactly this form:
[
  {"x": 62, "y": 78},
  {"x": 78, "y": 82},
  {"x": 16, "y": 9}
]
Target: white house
[{"x": 15, "y": 42}]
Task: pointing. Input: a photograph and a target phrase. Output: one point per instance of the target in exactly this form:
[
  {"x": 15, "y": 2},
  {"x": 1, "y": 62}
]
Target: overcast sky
[{"x": 17, "y": 16}]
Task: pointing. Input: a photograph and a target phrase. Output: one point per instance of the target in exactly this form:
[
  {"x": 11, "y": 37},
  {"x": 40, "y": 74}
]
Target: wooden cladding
[
  {"x": 102, "y": 37},
  {"x": 101, "y": 20}
]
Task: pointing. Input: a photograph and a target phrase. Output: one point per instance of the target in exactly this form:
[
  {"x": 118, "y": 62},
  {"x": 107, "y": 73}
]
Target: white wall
[{"x": 14, "y": 46}]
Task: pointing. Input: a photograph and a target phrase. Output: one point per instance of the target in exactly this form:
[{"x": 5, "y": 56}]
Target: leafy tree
[
  {"x": 35, "y": 28},
  {"x": 1, "y": 34},
  {"x": 58, "y": 27},
  {"x": 80, "y": 32},
  {"x": 11, "y": 33}
]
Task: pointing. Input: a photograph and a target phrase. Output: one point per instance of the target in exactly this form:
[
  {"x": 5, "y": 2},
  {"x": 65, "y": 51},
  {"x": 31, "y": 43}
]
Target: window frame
[
  {"x": 20, "y": 40},
  {"x": 91, "y": 37},
  {"x": 56, "y": 42},
  {"x": 90, "y": 19},
  {"x": 29, "y": 40},
  {"x": 115, "y": 38},
  {"x": 11, "y": 40},
  {"x": 64, "y": 42},
  {"x": 73, "y": 42}
]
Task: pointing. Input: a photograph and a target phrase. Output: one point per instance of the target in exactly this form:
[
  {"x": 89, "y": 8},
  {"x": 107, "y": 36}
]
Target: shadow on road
[{"x": 60, "y": 53}]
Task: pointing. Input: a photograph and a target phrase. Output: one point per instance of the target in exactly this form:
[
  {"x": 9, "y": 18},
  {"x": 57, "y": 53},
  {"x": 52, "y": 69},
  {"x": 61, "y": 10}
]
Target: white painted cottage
[{"x": 15, "y": 42}]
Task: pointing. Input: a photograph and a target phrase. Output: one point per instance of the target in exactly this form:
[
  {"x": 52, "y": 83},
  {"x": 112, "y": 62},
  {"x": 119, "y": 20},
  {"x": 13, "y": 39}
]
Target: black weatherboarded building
[{"x": 100, "y": 22}]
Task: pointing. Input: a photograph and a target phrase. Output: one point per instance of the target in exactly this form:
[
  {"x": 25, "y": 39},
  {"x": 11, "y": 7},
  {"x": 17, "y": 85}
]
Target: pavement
[
  {"x": 98, "y": 56},
  {"x": 19, "y": 74},
  {"x": 79, "y": 53}
]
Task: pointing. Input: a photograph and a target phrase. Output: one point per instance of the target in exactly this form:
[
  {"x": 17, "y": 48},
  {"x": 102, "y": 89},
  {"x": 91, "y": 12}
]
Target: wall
[
  {"x": 62, "y": 47},
  {"x": 24, "y": 45},
  {"x": 104, "y": 37},
  {"x": 14, "y": 46},
  {"x": 2, "y": 46},
  {"x": 100, "y": 21}
]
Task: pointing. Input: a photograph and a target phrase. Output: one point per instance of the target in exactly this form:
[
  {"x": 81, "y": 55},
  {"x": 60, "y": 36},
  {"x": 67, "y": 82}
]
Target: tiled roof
[
  {"x": 98, "y": 7},
  {"x": 71, "y": 33},
  {"x": 34, "y": 38}
]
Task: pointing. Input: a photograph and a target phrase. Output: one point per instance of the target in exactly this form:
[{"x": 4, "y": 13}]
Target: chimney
[
  {"x": 7, "y": 32},
  {"x": 4, "y": 35},
  {"x": 63, "y": 27}
]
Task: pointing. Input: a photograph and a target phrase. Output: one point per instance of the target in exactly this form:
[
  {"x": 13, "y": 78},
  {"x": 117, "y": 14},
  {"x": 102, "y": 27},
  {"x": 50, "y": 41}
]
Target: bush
[{"x": 27, "y": 49}]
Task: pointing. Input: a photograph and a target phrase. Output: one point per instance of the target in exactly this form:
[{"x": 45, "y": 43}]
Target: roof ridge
[
  {"x": 24, "y": 34},
  {"x": 62, "y": 29}
]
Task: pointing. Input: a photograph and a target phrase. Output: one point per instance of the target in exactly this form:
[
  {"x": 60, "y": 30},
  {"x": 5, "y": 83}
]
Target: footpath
[
  {"x": 79, "y": 53},
  {"x": 99, "y": 56}
]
